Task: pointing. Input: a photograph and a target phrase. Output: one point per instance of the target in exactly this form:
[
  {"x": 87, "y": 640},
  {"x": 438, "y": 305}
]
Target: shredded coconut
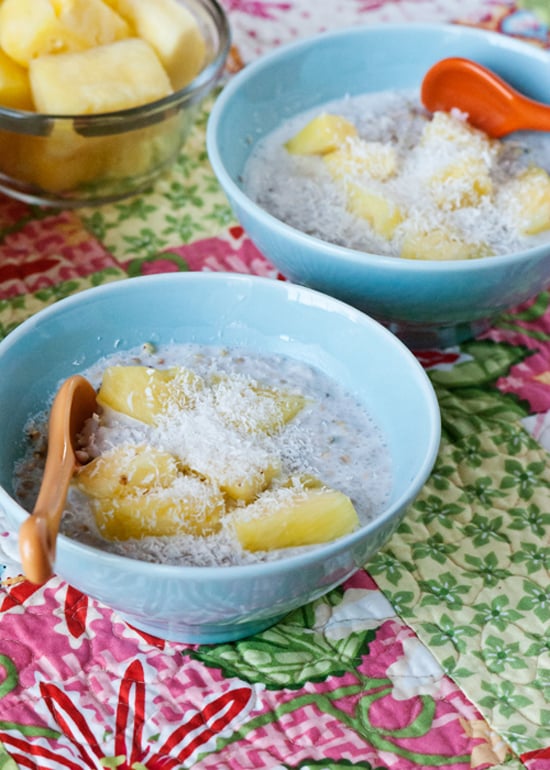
[{"x": 300, "y": 191}]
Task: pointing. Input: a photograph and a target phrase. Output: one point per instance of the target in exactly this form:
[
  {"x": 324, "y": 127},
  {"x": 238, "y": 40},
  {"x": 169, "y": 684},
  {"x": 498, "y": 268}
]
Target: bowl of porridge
[
  {"x": 349, "y": 186},
  {"x": 254, "y": 443}
]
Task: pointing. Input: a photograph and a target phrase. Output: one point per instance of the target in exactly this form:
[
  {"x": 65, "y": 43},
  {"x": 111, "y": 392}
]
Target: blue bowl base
[
  {"x": 429, "y": 337},
  {"x": 202, "y": 634}
]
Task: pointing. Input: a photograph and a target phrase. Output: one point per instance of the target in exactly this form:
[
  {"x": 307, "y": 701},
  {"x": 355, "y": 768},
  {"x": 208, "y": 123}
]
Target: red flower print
[
  {"x": 429, "y": 358},
  {"x": 81, "y": 740}
]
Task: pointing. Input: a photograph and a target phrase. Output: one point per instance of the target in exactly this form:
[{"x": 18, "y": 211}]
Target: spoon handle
[
  {"x": 535, "y": 116},
  {"x": 37, "y": 534},
  {"x": 73, "y": 404}
]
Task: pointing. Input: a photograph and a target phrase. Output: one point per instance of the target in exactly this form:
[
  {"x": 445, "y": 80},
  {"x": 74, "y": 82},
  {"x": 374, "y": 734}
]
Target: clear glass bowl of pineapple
[{"x": 97, "y": 97}]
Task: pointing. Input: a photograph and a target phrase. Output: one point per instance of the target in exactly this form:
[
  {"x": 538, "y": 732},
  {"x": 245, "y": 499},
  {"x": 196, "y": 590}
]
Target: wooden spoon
[
  {"x": 74, "y": 403},
  {"x": 491, "y": 104}
]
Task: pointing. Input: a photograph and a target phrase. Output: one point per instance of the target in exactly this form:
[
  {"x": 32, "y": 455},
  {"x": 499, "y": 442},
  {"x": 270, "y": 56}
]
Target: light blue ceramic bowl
[
  {"x": 194, "y": 604},
  {"x": 425, "y": 303}
]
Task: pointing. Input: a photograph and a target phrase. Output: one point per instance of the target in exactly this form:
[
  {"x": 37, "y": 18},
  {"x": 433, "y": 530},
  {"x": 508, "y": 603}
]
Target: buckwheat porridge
[{"x": 203, "y": 455}]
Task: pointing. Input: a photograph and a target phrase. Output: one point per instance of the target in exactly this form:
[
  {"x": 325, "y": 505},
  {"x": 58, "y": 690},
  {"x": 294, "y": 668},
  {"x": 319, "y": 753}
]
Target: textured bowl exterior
[
  {"x": 203, "y": 604},
  {"x": 426, "y": 303}
]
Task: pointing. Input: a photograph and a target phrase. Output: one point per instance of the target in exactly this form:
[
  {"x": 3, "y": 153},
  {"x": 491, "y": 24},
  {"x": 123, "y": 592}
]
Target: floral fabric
[{"x": 435, "y": 656}]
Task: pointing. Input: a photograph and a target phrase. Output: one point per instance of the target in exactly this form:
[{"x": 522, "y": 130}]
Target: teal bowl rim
[
  {"x": 234, "y": 191},
  {"x": 320, "y": 552}
]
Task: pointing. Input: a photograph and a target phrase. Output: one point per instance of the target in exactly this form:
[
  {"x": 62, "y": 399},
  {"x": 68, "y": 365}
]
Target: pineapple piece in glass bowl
[{"x": 86, "y": 140}]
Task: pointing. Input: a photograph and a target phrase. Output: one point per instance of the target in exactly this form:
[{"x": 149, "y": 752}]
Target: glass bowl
[{"x": 76, "y": 160}]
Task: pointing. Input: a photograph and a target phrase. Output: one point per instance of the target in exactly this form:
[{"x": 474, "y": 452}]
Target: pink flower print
[
  {"x": 530, "y": 381},
  {"x": 260, "y": 10}
]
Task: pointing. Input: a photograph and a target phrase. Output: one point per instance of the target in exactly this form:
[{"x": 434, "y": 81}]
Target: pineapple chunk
[
  {"x": 323, "y": 134},
  {"x": 381, "y": 212},
  {"x": 356, "y": 157},
  {"x": 247, "y": 485},
  {"x": 126, "y": 468},
  {"x": 462, "y": 183},
  {"x": 30, "y": 28},
  {"x": 189, "y": 506},
  {"x": 457, "y": 133},
  {"x": 145, "y": 393},
  {"x": 116, "y": 76},
  {"x": 93, "y": 21},
  {"x": 439, "y": 244},
  {"x": 172, "y": 31},
  {"x": 254, "y": 408},
  {"x": 294, "y": 518},
  {"x": 15, "y": 90},
  {"x": 531, "y": 191},
  {"x": 276, "y": 408}
]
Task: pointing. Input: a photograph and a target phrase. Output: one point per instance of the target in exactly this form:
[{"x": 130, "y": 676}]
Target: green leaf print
[
  {"x": 441, "y": 475},
  {"x": 444, "y": 589},
  {"x": 137, "y": 208},
  {"x": 515, "y": 439},
  {"x": 536, "y": 599},
  {"x": 470, "y": 452},
  {"x": 184, "y": 227},
  {"x": 448, "y": 631},
  {"x": 503, "y": 697},
  {"x": 540, "y": 645},
  {"x": 500, "y": 656},
  {"x": 221, "y": 215},
  {"x": 533, "y": 557},
  {"x": 387, "y": 563},
  {"x": 290, "y": 653},
  {"x": 401, "y": 601},
  {"x": 483, "y": 529},
  {"x": 487, "y": 568},
  {"x": 464, "y": 413},
  {"x": 497, "y": 613},
  {"x": 435, "y": 548},
  {"x": 483, "y": 492},
  {"x": 487, "y": 362},
  {"x": 145, "y": 242},
  {"x": 433, "y": 508},
  {"x": 525, "y": 479},
  {"x": 530, "y": 518}
]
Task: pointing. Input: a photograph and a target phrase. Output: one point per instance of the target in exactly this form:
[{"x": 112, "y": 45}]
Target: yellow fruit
[
  {"x": 93, "y": 21},
  {"x": 126, "y": 469},
  {"x": 531, "y": 191},
  {"x": 254, "y": 408},
  {"x": 172, "y": 31},
  {"x": 439, "y": 244},
  {"x": 462, "y": 183},
  {"x": 15, "y": 91},
  {"x": 248, "y": 484},
  {"x": 448, "y": 128},
  {"x": 379, "y": 210},
  {"x": 145, "y": 393},
  {"x": 323, "y": 134},
  {"x": 30, "y": 28},
  {"x": 294, "y": 518},
  {"x": 356, "y": 157},
  {"x": 111, "y": 77},
  {"x": 189, "y": 506}
]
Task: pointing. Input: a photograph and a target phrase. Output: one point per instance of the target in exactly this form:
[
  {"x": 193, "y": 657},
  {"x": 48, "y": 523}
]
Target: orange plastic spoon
[
  {"x": 73, "y": 404},
  {"x": 491, "y": 104}
]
